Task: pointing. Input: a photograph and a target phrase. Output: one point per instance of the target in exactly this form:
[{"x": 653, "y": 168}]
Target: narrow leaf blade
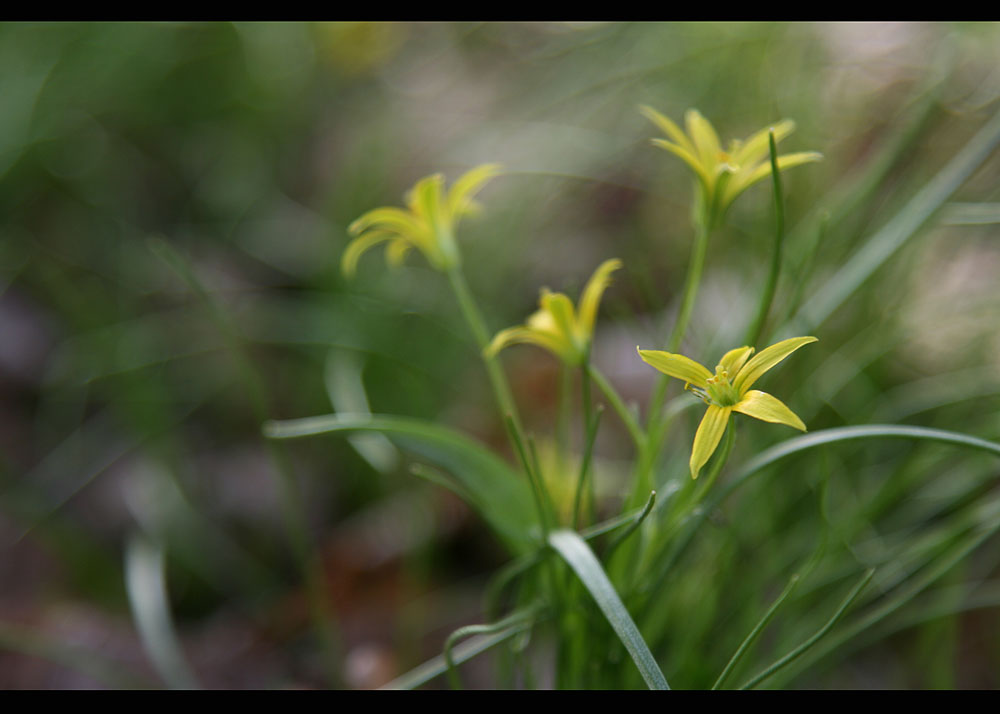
[{"x": 575, "y": 551}]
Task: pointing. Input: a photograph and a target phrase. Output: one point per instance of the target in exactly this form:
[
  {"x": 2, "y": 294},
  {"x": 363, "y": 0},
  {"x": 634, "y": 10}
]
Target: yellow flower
[
  {"x": 556, "y": 326},
  {"x": 728, "y": 390},
  {"x": 724, "y": 175},
  {"x": 429, "y": 224}
]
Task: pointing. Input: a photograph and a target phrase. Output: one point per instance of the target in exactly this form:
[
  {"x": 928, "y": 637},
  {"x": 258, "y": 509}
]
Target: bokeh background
[{"x": 128, "y": 433}]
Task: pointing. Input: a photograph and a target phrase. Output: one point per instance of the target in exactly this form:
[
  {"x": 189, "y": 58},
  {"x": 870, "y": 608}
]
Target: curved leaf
[
  {"x": 498, "y": 492},
  {"x": 584, "y": 563}
]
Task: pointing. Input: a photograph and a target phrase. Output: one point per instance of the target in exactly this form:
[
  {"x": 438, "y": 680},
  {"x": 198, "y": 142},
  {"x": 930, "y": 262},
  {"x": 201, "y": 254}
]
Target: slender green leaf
[
  {"x": 970, "y": 214},
  {"x": 910, "y": 219},
  {"x": 346, "y": 390},
  {"x": 147, "y": 594},
  {"x": 910, "y": 590},
  {"x": 847, "y": 433},
  {"x": 755, "y": 632},
  {"x": 521, "y": 616},
  {"x": 808, "y": 644},
  {"x": 584, "y": 563},
  {"x": 498, "y": 492},
  {"x": 437, "y": 666}
]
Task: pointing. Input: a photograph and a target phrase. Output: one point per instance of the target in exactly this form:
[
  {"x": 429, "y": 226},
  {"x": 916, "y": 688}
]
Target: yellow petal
[
  {"x": 765, "y": 359},
  {"x": 733, "y": 360},
  {"x": 396, "y": 253},
  {"x": 561, "y": 309},
  {"x": 467, "y": 185},
  {"x": 690, "y": 159},
  {"x": 354, "y": 250},
  {"x": 703, "y": 135},
  {"x": 387, "y": 218},
  {"x": 425, "y": 200},
  {"x": 761, "y": 405},
  {"x": 748, "y": 178},
  {"x": 706, "y": 439},
  {"x": 757, "y": 147},
  {"x": 677, "y": 366},
  {"x": 592, "y": 293},
  {"x": 542, "y": 321},
  {"x": 527, "y": 335},
  {"x": 669, "y": 128}
]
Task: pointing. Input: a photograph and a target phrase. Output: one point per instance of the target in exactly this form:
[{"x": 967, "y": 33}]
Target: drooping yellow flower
[
  {"x": 557, "y": 326},
  {"x": 428, "y": 224},
  {"x": 724, "y": 175},
  {"x": 728, "y": 390}
]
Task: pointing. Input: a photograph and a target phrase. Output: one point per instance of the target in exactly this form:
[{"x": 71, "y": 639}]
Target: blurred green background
[{"x": 250, "y": 147}]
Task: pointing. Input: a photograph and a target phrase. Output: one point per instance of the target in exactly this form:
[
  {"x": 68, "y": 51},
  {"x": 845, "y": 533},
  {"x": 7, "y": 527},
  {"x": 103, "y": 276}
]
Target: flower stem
[
  {"x": 691, "y": 283},
  {"x": 623, "y": 412},
  {"x": 505, "y": 400},
  {"x": 501, "y": 389},
  {"x": 590, "y": 429},
  {"x": 767, "y": 296},
  {"x": 655, "y": 428}
]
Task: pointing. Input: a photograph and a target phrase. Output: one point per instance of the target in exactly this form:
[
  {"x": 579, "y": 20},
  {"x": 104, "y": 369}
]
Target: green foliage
[{"x": 177, "y": 199}]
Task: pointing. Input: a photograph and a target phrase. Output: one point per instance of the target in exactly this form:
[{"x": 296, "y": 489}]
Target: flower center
[{"x": 719, "y": 391}]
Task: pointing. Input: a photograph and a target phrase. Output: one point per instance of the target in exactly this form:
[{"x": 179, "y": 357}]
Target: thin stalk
[
  {"x": 563, "y": 415},
  {"x": 533, "y": 478},
  {"x": 590, "y": 424},
  {"x": 805, "y": 646},
  {"x": 623, "y": 412},
  {"x": 691, "y": 284},
  {"x": 755, "y": 632},
  {"x": 501, "y": 389},
  {"x": 516, "y": 618},
  {"x": 655, "y": 431},
  {"x": 623, "y": 536},
  {"x": 767, "y": 296},
  {"x": 588, "y": 451},
  {"x": 686, "y": 506},
  {"x": 720, "y": 462}
]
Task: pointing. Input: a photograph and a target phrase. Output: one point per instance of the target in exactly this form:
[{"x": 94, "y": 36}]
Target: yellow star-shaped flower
[
  {"x": 728, "y": 390},
  {"x": 724, "y": 175},
  {"x": 557, "y": 326},
  {"x": 428, "y": 224}
]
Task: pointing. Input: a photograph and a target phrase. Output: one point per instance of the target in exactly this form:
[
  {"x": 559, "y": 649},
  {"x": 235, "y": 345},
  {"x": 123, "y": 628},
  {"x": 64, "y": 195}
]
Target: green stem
[
  {"x": 688, "y": 500},
  {"x": 512, "y": 620},
  {"x": 623, "y": 412},
  {"x": 501, "y": 389},
  {"x": 589, "y": 425},
  {"x": 533, "y": 478},
  {"x": 755, "y": 632},
  {"x": 805, "y": 646},
  {"x": 591, "y": 419},
  {"x": 563, "y": 415},
  {"x": 720, "y": 462},
  {"x": 655, "y": 432},
  {"x": 767, "y": 296},
  {"x": 477, "y": 324},
  {"x": 691, "y": 284}
]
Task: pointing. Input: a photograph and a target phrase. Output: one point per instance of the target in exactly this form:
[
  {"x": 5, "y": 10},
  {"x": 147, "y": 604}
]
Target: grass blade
[
  {"x": 805, "y": 646},
  {"x": 521, "y": 616},
  {"x": 501, "y": 496},
  {"x": 147, "y": 594},
  {"x": 911, "y": 218},
  {"x": 437, "y": 666},
  {"x": 581, "y": 559},
  {"x": 755, "y": 632},
  {"x": 847, "y": 433}
]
